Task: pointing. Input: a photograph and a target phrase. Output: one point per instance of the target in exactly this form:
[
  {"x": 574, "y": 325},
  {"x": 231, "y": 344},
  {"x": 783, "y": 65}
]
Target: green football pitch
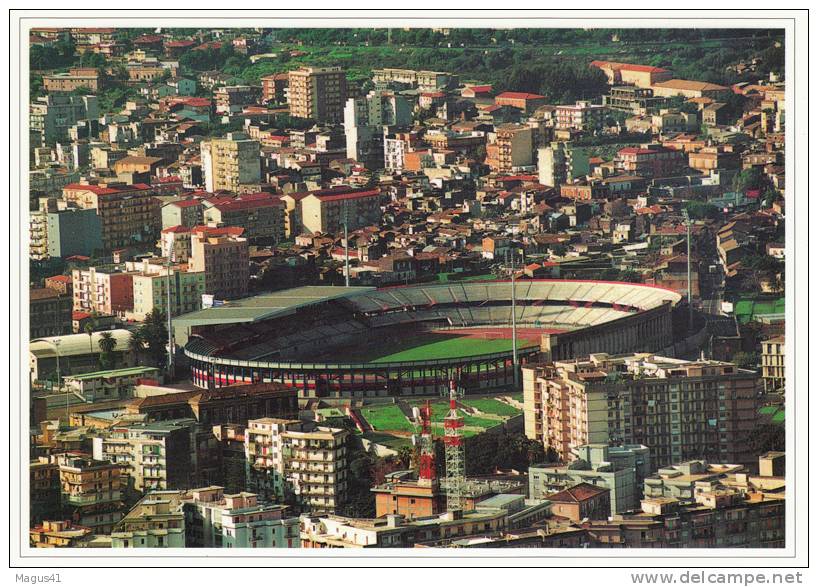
[{"x": 428, "y": 347}]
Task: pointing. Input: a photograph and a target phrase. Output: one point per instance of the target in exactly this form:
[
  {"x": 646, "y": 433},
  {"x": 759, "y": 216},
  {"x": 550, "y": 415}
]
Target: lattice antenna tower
[
  {"x": 454, "y": 451},
  {"x": 427, "y": 471}
]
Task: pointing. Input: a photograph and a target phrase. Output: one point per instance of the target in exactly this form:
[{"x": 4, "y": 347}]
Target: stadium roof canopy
[{"x": 266, "y": 306}]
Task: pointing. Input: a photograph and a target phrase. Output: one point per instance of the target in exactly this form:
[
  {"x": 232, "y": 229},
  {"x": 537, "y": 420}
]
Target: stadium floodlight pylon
[{"x": 454, "y": 451}]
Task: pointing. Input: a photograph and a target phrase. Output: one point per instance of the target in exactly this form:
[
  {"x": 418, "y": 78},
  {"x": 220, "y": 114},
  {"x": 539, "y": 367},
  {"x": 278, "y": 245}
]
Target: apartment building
[
  {"x": 233, "y": 99},
  {"x": 512, "y": 148},
  {"x": 233, "y": 457},
  {"x": 51, "y": 117},
  {"x": 49, "y": 313},
  {"x": 560, "y": 163},
  {"x": 326, "y": 211},
  {"x": 240, "y": 520},
  {"x": 364, "y": 119},
  {"x": 718, "y": 518},
  {"x": 423, "y": 80},
  {"x": 395, "y": 147},
  {"x": 188, "y": 213},
  {"x": 91, "y": 491},
  {"x": 289, "y": 459},
  {"x": 620, "y": 469},
  {"x": 51, "y": 181},
  {"x": 632, "y": 99},
  {"x": 74, "y": 231},
  {"x": 153, "y": 455},
  {"x": 151, "y": 283},
  {"x": 682, "y": 481},
  {"x": 223, "y": 256},
  {"x": 396, "y": 531},
  {"x": 773, "y": 363},
  {"x": 524, "y": 101},
  {"x": 680, "y": 409},
  {"x": 274, "y": 87},
  {"x": 86, "y": 78},
  {"x": 156, "y": 521},
  {"x": 44, "y": 490},
  {"x": 260, "y": 215},
  {"x": 174, "y": 242},
  {"x": 58, "y": 534},
  {"x": 651, "y": 161},
  {"x": 128, "y": 214},
  {"x": 230, "y": 162},
  {"x": 318, "y": 93},
  {"x": 105, "y": 289},
  {"x": 582, "y": 116}
]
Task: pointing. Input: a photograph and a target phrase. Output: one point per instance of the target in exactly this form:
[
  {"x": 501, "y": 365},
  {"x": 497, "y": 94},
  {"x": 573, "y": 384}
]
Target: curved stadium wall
[{"x": 570, "y": 318}]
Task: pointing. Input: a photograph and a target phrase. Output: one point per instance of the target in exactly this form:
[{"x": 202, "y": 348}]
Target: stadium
[{"x": 357, "y": 342}]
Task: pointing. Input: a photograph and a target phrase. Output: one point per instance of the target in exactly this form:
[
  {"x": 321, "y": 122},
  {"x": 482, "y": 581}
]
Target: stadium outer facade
[{"x": 293, "y": 336}]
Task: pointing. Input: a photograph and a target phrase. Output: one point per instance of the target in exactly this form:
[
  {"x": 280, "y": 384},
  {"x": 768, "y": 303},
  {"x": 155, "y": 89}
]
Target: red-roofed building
[
  {"x": 261, "y": 215},
  {"x": 149, "y": 43},
  {"x": 642, "y": 76},
  {"x": 524, "y": 101},
  {"x": 59, "y": 283},
  {"x": 174, "y": 49},
  {"x": 187, "y": 213},
  {"x": 128, "y": 213},
  {"x": 655, "y": 161},
  {"x": 583, "y": 501},
  {"x": 476, "y": 91},
  {"x": 326, "y": 210},
  {"x": 224, "y": 257}
]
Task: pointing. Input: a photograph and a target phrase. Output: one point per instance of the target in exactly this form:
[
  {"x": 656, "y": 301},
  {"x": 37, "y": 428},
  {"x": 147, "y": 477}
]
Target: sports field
[
  {"x": 390, "y": 417},
  {"x": 747, "y": 310},
  {"x": 428, "y": 347},
  {"x": 775, "y": 413}
]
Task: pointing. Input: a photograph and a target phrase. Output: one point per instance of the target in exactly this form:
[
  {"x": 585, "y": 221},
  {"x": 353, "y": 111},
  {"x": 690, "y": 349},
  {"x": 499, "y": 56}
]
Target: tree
[
  {"x": 751, "y": 179},
  {"x": 702, "y": 210},
  {"x": 107, "y": 344},
  {"x": 746, "y": 360},
  {"x": 136, "y": 345},
  {"x": 154, "y": 334},
  {"x": 406, "y": 457},
  {"x": 89, "y": 330}
]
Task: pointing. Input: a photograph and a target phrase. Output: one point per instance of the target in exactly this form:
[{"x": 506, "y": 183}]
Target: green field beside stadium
[
  {"x": 430, "y": 347},
  {"x": 390, "y": 418}
]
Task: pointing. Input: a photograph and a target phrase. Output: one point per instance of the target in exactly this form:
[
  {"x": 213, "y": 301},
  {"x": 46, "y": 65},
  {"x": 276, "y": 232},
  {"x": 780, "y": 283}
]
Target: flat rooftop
[
  {"x": 127, "y": 372},
  {"x": 267, "y": 305}
]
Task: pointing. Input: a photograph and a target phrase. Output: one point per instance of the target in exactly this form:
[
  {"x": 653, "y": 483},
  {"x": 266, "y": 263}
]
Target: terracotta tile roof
[
  {"x": 577, "y": 493},
  {"x": 627, "y": 66},
  {"x": 684, "y": 84},
  {"x": 520, "y": 96},
  {"x": 103, "y": 191},
  {"x": 187, "y": 203}
]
